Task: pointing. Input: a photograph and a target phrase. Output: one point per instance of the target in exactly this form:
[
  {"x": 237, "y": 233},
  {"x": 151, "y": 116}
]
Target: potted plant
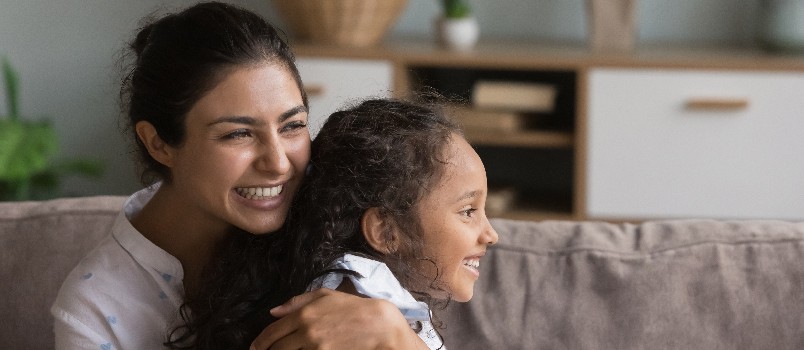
[
  {"x": 781, "y": 25},
  {"x": 457, "y": 28},
  {"x": 26, "y": 172}
]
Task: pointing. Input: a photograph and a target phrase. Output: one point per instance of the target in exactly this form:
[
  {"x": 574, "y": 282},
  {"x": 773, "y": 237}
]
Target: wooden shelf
[
  {"x": 535, "y": 138},
  {"x": 539, "y": 206},
  {"x": 530, "y": 54}
]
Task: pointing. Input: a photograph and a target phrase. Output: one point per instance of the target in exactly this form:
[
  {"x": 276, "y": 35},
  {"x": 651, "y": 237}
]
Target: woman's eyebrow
[
  {"x": 251, "y": 121},
  {"x": 291, "y": 112},
  {"x": 236, "y": 120}
]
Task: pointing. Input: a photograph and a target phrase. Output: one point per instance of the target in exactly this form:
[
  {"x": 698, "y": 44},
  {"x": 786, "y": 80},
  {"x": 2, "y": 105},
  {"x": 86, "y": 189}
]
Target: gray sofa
[{"x": 691, "y": 284}]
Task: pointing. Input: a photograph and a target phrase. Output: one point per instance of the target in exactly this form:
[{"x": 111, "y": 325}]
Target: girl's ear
[
  {"x": 157, "y": 148},
  {"x": 375, "y": 231}
]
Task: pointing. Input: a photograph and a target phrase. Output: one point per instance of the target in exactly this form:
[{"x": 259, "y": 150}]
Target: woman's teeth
[{"x": 259, "y": 192}]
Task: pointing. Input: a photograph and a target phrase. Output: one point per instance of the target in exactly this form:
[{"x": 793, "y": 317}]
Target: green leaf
[
  {"x": 12, "y": 89},
  {"x": 456, "y": 8},
  {"x": 24, "y": 148}
]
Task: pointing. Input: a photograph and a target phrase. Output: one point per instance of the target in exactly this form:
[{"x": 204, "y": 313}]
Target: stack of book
[{"x": 505, "y": 106}]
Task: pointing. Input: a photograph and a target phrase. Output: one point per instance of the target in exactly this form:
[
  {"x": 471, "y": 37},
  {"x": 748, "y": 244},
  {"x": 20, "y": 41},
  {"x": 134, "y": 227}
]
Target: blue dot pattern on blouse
[{"x": 111, "y": 319}]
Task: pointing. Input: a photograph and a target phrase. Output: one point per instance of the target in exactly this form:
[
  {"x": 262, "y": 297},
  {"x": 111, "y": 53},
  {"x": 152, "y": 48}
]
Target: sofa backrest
[
  {"x": 683, "y": 284},
  {"x": 40, "y": 243},
  {"x": 688, "y": 284}
]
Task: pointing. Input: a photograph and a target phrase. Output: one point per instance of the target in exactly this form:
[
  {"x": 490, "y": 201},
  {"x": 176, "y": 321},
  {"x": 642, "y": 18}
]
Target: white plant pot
[{"x": 459, "y": 34}]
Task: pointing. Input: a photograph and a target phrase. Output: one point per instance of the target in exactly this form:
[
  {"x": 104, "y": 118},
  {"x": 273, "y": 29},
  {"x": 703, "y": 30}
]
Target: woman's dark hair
[
  {"x": 182, "y": 56},
  {"x": 385, "y": 154}
]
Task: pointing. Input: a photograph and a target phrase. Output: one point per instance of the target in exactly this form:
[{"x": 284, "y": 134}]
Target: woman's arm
[{"x": 328, "y": 319}]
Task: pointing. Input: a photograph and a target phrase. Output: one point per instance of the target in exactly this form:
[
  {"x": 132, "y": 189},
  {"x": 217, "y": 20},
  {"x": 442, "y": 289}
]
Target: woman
[{"x": 220, "y": 120}]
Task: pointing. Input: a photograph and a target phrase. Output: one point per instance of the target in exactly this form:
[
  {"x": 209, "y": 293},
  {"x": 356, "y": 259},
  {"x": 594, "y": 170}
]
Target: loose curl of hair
[
  {"x": 383, "y": 153},
  {"x": 180, "y": 57}
]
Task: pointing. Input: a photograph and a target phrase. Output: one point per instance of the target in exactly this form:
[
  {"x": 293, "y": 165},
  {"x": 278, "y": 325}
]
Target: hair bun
[{"x": 141, "y": 40}]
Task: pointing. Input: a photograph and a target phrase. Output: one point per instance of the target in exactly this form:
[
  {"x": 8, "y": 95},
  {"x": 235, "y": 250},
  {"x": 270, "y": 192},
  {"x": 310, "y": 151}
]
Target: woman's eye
[
  {"x": 237, "y": 134},
  {"x": 468, "y": 212},
  {"x": 294, "y": 125}
]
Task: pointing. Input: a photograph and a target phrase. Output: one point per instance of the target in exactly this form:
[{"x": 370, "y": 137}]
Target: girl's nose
[{"x": 489, "y": 235}]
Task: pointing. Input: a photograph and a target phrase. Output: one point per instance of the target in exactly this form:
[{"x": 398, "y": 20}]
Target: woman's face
[
  {"x": 245, "y": 152},
  {"x": 455, "y": 229}
]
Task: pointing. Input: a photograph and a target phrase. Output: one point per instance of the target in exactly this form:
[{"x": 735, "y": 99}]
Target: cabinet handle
[
  {"x": 314, "y": 90},
  {"x": 712, "y": 104}
]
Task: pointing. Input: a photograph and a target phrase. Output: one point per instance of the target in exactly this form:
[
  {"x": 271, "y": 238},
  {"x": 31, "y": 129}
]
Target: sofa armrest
[{"x": 40, "y": 243}]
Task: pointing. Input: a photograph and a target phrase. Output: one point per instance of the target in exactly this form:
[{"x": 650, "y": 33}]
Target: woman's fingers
[{"x": 298, "y": 302}]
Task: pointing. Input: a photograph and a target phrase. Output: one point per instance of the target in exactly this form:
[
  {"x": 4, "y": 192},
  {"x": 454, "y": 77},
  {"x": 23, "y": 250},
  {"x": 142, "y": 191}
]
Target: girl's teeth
[
  {"x": 259, "y": 192},
  {"x": 472, "y": 263}
]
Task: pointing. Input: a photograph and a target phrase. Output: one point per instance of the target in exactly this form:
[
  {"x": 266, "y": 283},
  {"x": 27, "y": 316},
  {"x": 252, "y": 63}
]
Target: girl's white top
[{"x": 375, "y": 280}]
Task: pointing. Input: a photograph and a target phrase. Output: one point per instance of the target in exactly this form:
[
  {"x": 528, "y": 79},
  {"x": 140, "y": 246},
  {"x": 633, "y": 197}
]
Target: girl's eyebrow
[
  {"x": 246, "y": 120},
  {"x": 468, "y": 194}
]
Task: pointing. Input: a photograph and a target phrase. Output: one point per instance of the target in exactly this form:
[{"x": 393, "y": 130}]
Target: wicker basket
[{"x": 357, "y": 23}]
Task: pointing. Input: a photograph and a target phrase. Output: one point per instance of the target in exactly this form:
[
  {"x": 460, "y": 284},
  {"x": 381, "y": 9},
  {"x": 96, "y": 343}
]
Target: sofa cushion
[
  {"x": 658, "y": 285},
  {"x": 40, "y": 242}
]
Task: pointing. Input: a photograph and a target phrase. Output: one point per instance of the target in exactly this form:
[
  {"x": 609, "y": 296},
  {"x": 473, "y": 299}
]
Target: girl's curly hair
[{"x": 382, "y": 153}]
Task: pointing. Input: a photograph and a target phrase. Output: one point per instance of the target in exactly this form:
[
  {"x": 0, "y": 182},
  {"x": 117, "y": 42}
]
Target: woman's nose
[{"x": 272, "y": 157}]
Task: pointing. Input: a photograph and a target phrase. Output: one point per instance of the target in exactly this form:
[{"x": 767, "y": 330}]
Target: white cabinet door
[
  {"x": 332, "y": 83},
  {"x": 652, "y": 156}
]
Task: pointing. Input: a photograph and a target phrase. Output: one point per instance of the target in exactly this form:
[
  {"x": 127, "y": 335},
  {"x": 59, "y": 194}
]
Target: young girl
[
  {"x": 392, "y": 207},
  {"x": 220, "y": 122}
]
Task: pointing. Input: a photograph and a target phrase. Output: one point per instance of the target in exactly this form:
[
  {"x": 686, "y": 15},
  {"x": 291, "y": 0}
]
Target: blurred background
[{"x": 66, "y": 55}]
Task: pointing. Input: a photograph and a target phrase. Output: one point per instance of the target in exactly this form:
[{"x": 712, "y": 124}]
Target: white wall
[{"x": 66, "y": 53}]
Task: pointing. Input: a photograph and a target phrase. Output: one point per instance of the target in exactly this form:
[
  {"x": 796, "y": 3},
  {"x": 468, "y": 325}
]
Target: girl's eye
[
  {"x": 469, "y": 212},
  {"x": 237, "y": 134}
]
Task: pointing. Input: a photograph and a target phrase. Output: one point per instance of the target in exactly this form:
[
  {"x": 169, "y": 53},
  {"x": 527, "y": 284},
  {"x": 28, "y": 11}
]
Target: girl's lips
[
  {"x": 472, "y": 263},
  {"x": 472, "y": 270}
]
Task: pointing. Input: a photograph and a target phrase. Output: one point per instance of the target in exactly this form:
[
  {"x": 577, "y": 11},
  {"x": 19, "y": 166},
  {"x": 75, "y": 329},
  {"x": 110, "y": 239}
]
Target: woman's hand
[{"x": 328, "y": 319}]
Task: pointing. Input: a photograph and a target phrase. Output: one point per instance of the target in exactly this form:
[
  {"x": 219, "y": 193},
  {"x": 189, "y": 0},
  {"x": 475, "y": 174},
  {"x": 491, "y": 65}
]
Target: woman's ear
[
  {"x": 157, "y": 148},
  {"x": 374, "y": 228}
]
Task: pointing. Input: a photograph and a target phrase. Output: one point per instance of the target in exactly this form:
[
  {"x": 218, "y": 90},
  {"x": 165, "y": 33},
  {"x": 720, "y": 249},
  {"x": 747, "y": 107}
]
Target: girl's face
[
  {"x": 455, "y": 229},
  {"x": 245, "y": 152}
]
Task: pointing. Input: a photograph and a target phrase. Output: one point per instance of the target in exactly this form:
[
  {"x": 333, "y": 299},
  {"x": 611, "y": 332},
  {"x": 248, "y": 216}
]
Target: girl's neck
[{"x": 187, "y": 235}]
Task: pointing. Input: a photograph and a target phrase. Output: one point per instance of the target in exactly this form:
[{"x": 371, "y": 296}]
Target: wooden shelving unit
[{"x": 552, "y": 156}]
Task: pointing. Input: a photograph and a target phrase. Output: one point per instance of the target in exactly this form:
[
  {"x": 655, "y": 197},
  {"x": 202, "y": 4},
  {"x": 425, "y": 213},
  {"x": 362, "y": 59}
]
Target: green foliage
[
  {"x": 25, "y": 151},
  {"x": 456, "y": 8}
]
